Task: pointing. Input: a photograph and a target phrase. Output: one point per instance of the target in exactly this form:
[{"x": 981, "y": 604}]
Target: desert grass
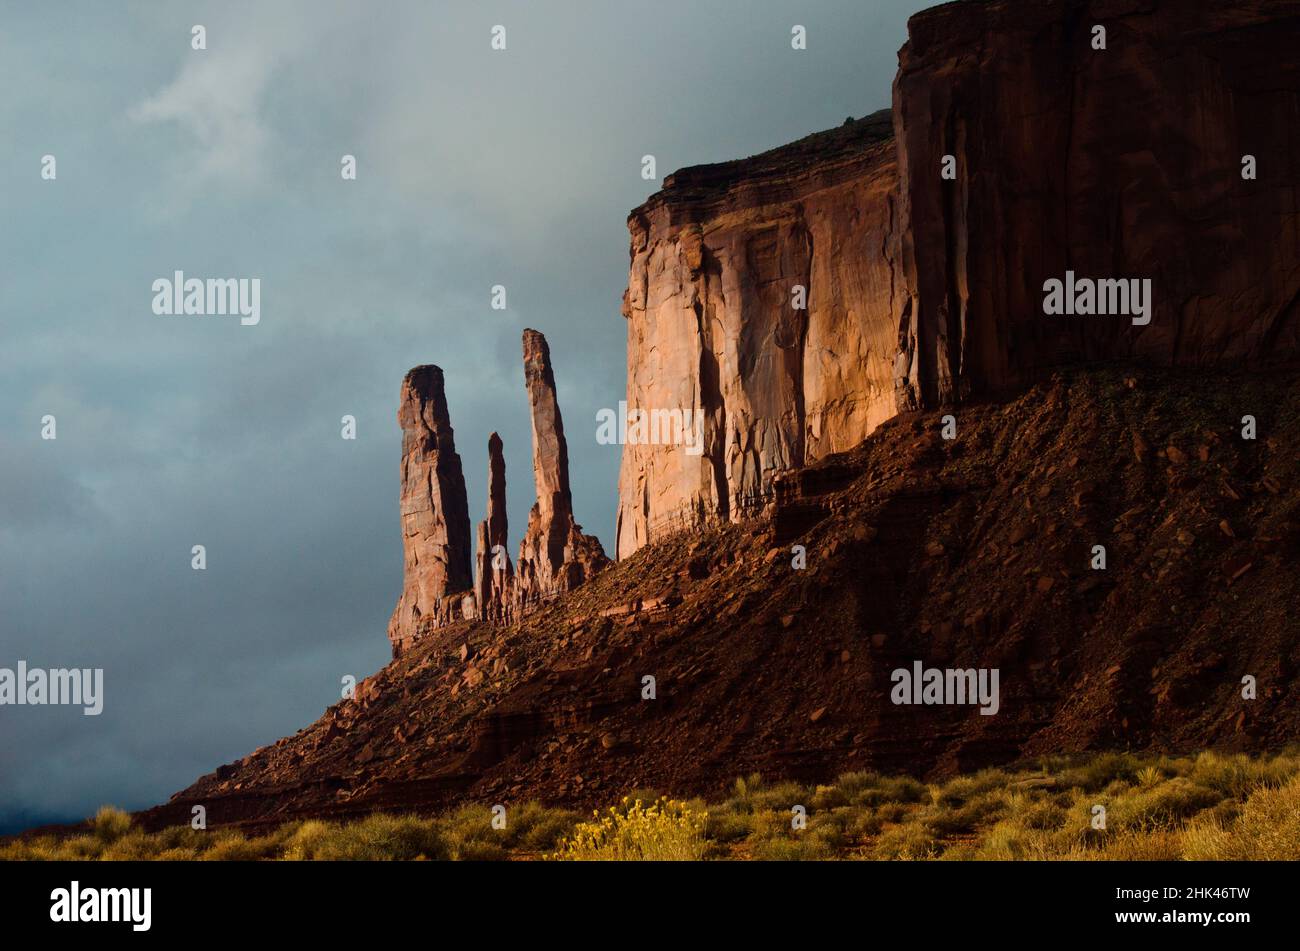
[{"x": 1210, "y": 806}]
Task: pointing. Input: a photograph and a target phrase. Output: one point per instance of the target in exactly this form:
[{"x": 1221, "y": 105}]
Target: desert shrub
[
  {"x": 745, "y": 785},
  {"x": 1267, "y": 828},
  {"x": 1211, "y": 806},
  {"x": 959, "y": 790},
  {"x": 480, "y": 850},
  {"x": 135, "y": 846},
  {"x": 1146, "y": 845},
  {"x": 983, "y": 809},
  {"x": 1042, "y": 814},
  {"x": 1160, "y": 806},
  {"x": 1100, "y": 771},
  {"x": 304, "y": 841},
  {"x": 645, "y": 794},
  {"x": 851, "y": 784},
  {"x": 181, "y": 838},
  {"x": 110, "y": 824},
  {"x": 809, "y": 845},
  {"x": 862, "y": 822},
  {"x": 45, "y": 848},
  {"x": 537, "y": 828},
  {"x": 827, "y": 797},
  {"x": 909, "y": 841},
  {"x": 1150, "y": 776},
  {"x": 892, "y": 812},
  {"x": 666, "y": 830},
  {"x": 723, "y": 825},
  {"x": 374, "y": 838},
  {"x": 1011, "y": 840},
  {"x": 530, "y": 827},
  {"x": 470, "y": 837},
  {"x": 234, "y": 847},
  {"x": 782, "y": 796},
  {"x": 894, "y": 789},
  {"x": 1239, "y": 776}
]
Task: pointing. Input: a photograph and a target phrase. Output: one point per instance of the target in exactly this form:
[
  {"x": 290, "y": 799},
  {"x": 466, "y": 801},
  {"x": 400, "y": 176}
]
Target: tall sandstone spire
[
  {"x": 554, "y": 555},
  {"x": 435, "y": 511},
  {"x": 494, "y": 587}
]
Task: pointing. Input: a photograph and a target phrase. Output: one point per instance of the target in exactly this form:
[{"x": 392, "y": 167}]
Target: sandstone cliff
[
  {"x": 720, "y": 260},
  {"x": 1117, "y": 163}
]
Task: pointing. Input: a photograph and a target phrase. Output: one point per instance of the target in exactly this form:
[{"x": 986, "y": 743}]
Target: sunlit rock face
[{"x": 762, "y": 295}]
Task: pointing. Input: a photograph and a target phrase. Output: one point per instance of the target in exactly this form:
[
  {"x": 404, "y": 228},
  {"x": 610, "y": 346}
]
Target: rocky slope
[
  {"x": 1126, "y": 162},
  {"x": 971, "y": 552}
]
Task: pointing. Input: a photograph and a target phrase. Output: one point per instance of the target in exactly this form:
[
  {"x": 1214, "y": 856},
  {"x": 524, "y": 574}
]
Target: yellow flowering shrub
[{"x": 667, "y": 830}]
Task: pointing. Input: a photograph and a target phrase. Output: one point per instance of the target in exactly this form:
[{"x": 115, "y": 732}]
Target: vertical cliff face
[
  {"x": 761, "y": 297},
  {"x": 1123, "y": 163},
  {"x": 434, "y": 510},
  {"x": 554, "y": 555}
]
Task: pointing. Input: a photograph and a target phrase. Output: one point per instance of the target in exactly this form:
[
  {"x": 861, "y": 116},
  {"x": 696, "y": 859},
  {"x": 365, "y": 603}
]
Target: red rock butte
[{"x": 921, "y": 291}]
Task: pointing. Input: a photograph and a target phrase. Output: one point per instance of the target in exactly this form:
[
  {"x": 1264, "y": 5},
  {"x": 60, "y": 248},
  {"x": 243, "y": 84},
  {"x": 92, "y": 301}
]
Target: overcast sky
[{"x": 475, "y": 167}]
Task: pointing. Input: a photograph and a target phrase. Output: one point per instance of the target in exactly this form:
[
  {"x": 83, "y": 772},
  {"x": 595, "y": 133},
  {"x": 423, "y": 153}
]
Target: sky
[{"x": 475, "y": 167}]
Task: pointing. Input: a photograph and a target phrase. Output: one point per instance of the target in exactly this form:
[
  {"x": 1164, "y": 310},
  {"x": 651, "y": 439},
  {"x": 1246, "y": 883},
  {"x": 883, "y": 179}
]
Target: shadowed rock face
[
  {"x": 435, "y": 510},
  {"x": 494, "y": 587},
  {"x": 1122, "y": 163},
  {"x": 554, "y": 555},
  {"x": 1117, "y": 163}
]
